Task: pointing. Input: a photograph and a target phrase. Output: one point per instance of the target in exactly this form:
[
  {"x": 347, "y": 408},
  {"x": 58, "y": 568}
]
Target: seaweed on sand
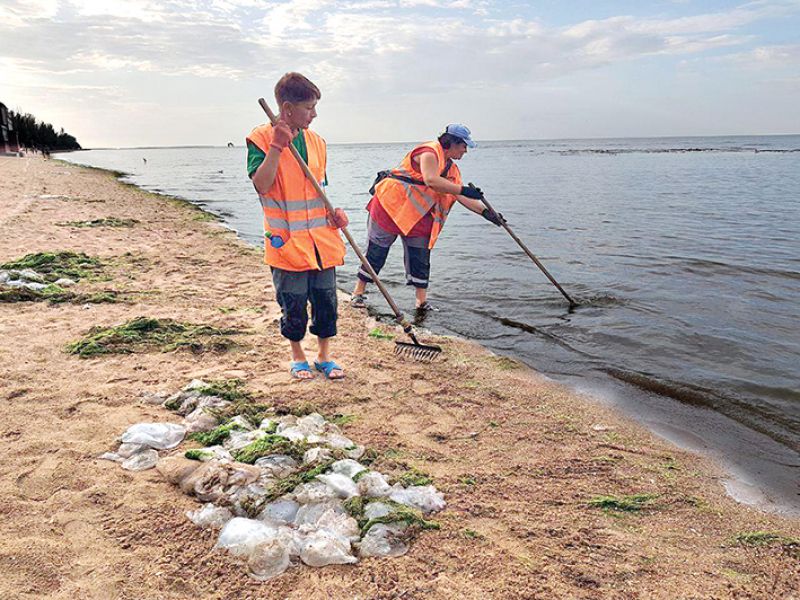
[
  {"x": 144, "y": 334},
  {"x": 270, "y": 444},
  {"x": 104, "y": 222},
  {"x": 399, "y": 513},
  {"x": 287, "y": 484},
  {"x": 56, "y": 265},
  {"x": 55, "y": 295},
  {"x": 632, "y": 503},
  {"x": 215, "y": 436},
  {"x": 227, "y": 389}
]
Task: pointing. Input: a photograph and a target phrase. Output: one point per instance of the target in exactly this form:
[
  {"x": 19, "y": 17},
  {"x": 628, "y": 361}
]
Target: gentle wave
[
  {"x": 574, "y": 151},
  {"x": 739, "y": 408}
]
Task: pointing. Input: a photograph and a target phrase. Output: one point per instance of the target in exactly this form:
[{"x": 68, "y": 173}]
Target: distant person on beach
[
  {"x": 302, "y": 242},
  {"x": 412, "y": 201}
]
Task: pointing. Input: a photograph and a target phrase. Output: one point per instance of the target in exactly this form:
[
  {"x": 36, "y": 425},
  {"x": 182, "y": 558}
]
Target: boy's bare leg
[
  {"x": 298, "y": 355},
  {"x": 324, "y": 356}
]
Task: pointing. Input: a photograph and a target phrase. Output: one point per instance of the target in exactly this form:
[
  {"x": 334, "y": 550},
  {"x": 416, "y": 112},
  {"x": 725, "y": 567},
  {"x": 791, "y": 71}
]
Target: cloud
[
  {"x": 225, "y": 40},
  {"x": 771, "y": 57},
  {"x": 145, "y": 11},
  {"x": 14, "y": 13},
  {"x": 379, "y": 52}
]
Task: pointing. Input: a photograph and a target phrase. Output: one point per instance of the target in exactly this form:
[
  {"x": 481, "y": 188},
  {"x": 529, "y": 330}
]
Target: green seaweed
[
  {"x": 56, "y": 265},
  {"x": 215, "y": 436},
  {"x": 504, "y": 363},
  {"x": 197, "y": 454},
  {"x": 227, "y": 389},
  {"x": 472, "y": 534},
  {"x": 254, "y": 412},
  {"x": 359, "y": 475},
  {"x": 764, "y": 538},
  {"x": 107, "y": 296},
  {"x": 341, "y": 420},
  {"x": 104, "y": 222},
  {"x": 144, "y": 334},
  {"x": 400, "y": 514},
  {"x": 414, "y": 477},
  {"x": 355, "y": 507},
  {"x": 55, "y": 294},
  {"x": 206, "y": 218},
  {"x": 370, "y": 456},
  {"x": 380, "y": 335},
  {"x": 287, "y": 484},
  {"x": 270, "y": 444},
  {"x": 52, "y": 293},
  {"x": 271, "y": 428},
  {"x": 311, "y": 473},
  {"x": 299, "y": 410},
  {"x": 174, "y": 404},
  {"x": 632, "y": 503}
]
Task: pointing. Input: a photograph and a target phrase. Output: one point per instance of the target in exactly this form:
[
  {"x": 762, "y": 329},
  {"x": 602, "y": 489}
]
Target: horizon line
[{"x": 647, "y": 137}]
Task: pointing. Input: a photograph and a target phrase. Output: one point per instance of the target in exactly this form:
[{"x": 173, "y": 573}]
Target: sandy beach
[{"x": 518, "y": 457}]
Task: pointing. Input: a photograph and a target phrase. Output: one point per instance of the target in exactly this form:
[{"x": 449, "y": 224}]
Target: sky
[{"x": 119, "y": 73}]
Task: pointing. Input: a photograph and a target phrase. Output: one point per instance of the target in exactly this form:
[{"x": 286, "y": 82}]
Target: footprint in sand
[{"x": 47, "y": 478}]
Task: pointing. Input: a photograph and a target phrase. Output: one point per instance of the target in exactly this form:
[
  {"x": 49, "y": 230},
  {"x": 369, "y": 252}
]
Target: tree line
[{"x": 36, "y": 134}]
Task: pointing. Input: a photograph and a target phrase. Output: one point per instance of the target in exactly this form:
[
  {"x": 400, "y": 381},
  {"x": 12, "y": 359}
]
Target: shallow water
[{"x": 683, "y": 255}]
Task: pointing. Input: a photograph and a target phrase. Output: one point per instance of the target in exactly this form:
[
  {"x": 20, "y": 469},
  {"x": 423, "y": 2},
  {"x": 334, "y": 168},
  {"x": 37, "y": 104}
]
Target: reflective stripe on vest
[
  {"x": 291, "y": 205},
  {"x": 412, "y": 191},
  {"x": 407, "y": 202},
  {"x": 295, "y": 213},
  {"x": 304, "y": 225}
]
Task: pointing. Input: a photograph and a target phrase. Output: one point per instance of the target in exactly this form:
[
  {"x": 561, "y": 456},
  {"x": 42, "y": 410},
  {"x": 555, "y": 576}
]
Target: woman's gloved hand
[
  {"x": 493, "y": 217},
  {"x": 470, "y": 191}
]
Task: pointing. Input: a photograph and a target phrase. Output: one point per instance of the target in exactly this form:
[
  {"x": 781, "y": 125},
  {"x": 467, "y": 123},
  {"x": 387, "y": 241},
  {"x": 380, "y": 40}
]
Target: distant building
[{"x": 8, "y": 137}]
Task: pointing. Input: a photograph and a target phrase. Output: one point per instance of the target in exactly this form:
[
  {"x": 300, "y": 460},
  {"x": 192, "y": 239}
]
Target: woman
[
  {"x": 412, "y": 201},
  {"x": 303, "y": 246}
]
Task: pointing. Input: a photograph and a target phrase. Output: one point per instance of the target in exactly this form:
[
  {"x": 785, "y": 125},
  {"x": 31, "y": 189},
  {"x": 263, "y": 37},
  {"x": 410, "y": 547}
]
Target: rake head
[{"x": 417, "y": 351}]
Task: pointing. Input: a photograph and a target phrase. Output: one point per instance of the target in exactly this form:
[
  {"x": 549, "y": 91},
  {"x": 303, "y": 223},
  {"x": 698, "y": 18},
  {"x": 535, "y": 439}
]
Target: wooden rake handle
[{"x": 572, "y": 303}]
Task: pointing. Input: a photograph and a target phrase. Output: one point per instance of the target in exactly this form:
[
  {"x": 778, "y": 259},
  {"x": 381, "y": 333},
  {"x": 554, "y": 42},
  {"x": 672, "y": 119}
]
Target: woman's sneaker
[
  {"x": 426, "y": 307},
  {"x": 358, "y": 301}
]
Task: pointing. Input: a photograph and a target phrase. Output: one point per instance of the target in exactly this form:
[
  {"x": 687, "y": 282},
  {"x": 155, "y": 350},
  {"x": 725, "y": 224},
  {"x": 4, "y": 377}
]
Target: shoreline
[
  {"x": 763, "y": 475},
  {"x": 518, "y": 457}
]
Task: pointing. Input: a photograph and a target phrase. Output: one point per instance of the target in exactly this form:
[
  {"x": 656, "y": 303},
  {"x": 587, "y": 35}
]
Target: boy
[{"x": 302, "y": 242}]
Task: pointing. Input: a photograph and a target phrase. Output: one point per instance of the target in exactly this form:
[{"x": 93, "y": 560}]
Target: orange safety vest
[
  {"x": 406, "y": 203},
  {"x": 294, "y": 211}
]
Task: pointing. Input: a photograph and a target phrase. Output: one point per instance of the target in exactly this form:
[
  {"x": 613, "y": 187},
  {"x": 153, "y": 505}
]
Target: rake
[
  {"x": 415, "y": 350},
  {"x": 572, "y": 303}
]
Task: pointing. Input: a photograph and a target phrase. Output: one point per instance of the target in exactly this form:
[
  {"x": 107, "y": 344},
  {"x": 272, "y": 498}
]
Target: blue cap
[{"x": 462, "y": 132}]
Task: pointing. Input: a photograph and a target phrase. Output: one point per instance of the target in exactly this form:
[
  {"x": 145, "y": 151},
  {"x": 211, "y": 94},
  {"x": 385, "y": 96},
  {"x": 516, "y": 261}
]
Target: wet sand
[{"x": 517, "y": 456}]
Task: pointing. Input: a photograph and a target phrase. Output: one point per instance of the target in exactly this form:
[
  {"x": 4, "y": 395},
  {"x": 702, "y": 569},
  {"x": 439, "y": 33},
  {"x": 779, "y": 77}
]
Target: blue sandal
[
  {"x": 326, "y": 368},
  {"x": 298, "y": 367}
]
